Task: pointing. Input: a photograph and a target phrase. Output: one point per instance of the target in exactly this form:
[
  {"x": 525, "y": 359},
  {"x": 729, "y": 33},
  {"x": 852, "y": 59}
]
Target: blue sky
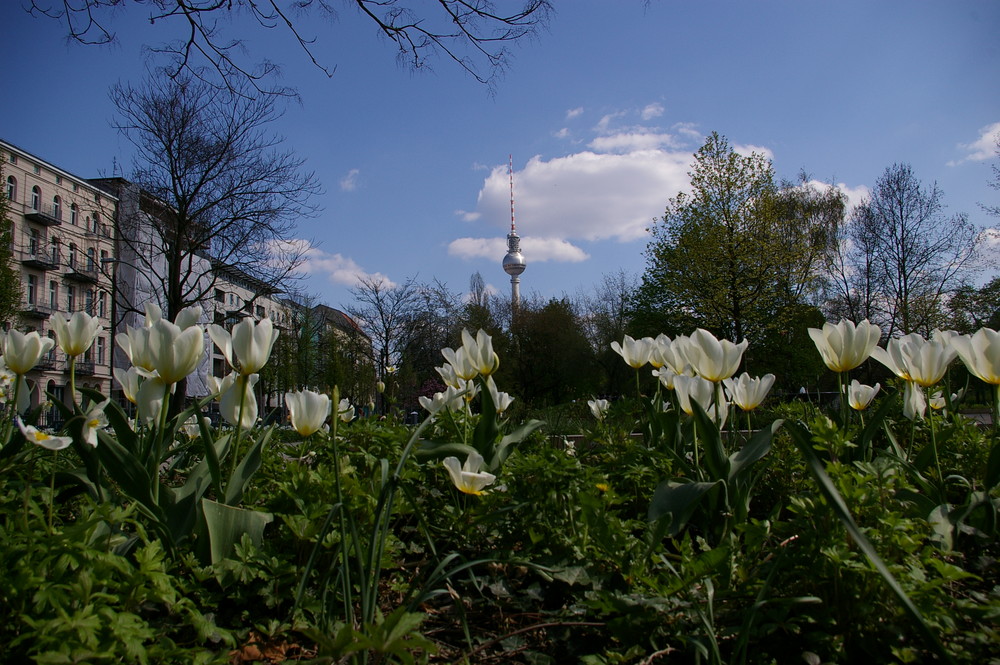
[{"x": 601, "y": 113}]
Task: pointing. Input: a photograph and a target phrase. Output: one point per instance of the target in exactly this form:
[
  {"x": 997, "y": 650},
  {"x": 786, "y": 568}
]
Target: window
[
  {"x": 58, "y": 179},
  {"x": 97, "y": 223},
  {"x": 12, "y": 158},
  {"x": 37, "y": 169},
  {"x": 51, "y": 355},
  {"x": 220, "y": 296},
  {"x": 76, "y": 187},
  {"x": 32, "y": 285},
  {"x": 72, "y": 256},
  {"x": 54, "y": 249},
  {"x": 260, "y": 312},
  {"x": 11, "y": 188},
  {"x": 70, "y": 299},
  {"x": 57, "y": 207},
  {"x": 33, "y": 239},
  {"x": 53, "y": 295},
  {"x": 91, "y": 259},
  {"x": 88, "y": 302},
  {"x": 74, "y": 212},
  {"x": 86, "y": 222},
  {"x": 102, "y": 304},
  {"x": 36, "y": 197},
  {"x": 100, "y": 350}
]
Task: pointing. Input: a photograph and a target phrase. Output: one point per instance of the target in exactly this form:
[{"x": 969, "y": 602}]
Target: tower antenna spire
[
  {"x": 513, "y": 263},
  {"x": 510, "y": 172}
]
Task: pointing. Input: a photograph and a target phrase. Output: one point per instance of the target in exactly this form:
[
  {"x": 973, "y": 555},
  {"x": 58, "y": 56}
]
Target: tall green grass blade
[{"x": 803, "y": 440}]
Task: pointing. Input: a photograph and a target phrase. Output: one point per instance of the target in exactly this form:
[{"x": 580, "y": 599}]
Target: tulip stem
[
  {"x": 52, "y": 488},
  {"x": 72, "y": 381},
  {"x": 157, "y": 452},
  {"x": 844, "y": 411},
  {"x": 934, "y": 450},
  {"x": 345, "y": 576},
  {"x": 9, "y": 426},
  {"x": 242, "y": 382},
  {"x": 996, "y": 409}
]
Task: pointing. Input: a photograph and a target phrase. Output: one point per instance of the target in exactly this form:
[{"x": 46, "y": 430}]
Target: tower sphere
[{"x": 513, "y": 263}]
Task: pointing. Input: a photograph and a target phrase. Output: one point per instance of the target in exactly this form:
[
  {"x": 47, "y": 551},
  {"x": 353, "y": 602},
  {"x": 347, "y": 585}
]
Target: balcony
[
  {"x": 43, "y": 218},
  {"x": 78, "y": 273},
  {"x": 102, "y": 231},
  {"x": 45, "y": 364},
  {"x": 84, "y": 368},
  {"x": 41, "y": 260},
  {"x": 36, "y": 311}
]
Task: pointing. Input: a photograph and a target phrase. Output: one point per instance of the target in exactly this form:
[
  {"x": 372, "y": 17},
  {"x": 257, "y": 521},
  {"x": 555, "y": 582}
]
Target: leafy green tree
[
  {"x": 551, "y": 360},
  {"x": 970, "y": 309},
  {"x": 737, "y": 250},
  {"x": 10, "y": 280}
]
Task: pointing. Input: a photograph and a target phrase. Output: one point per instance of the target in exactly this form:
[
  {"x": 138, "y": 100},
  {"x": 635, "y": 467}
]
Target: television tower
[{"x": 513, "y": 263}]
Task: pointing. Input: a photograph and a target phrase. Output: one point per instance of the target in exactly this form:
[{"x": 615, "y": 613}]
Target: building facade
[
  {"x": 96, "y": 245},
  {"x": 62, "y": 239}
]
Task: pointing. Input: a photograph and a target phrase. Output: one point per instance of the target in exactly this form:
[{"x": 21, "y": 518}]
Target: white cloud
[
  {"x": 983, "y": 148},
  {"x": 631, "y": 141},
  {"x": 467, "y": 216},
  {"x": 535, "y": 249},
  {"x": 573, "y": 113},
  {"x": 990, "y": 241},
  {"x": 651, "y": 111},
  {"x": 604, "y": 124},
  {"x": 586, "y": 195},
  {"x": 688, "y": 129},
  {"x": 350, "y": 182},
  {"x": 854, "y": 195},
  {"x": 339, "y": 269},
  {"x": 747, "y": 150}
]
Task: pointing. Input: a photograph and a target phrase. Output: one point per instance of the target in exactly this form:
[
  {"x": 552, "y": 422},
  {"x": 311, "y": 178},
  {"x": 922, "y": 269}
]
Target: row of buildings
[{"x": 88, "y": 245}]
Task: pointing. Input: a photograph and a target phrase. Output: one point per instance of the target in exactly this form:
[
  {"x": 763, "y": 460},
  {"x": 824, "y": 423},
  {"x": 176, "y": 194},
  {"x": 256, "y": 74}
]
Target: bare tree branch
[
  {"x": 219, "y": 188},
  {"x": 470, "y": 33}
]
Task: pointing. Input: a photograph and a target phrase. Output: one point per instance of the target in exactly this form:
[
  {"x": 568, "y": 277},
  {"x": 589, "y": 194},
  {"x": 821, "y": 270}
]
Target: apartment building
[
  {"x": 94, "y": 245},
  {"x": 61, "y": 241}
]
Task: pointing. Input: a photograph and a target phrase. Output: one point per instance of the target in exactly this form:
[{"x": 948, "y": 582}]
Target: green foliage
[
  {"x": 737, "y": 254},
  {"x": 550, "y": 360},
  {"x": 71, "y": 595},
  {"x": 766, "y": 546}
]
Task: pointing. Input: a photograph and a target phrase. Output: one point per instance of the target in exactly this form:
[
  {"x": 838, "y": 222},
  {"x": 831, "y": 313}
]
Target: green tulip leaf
[
  {"x": 246, "y": 468},
  {"x": 434, "y": 450},
  {"x": 226, "y": 525},
  {"x": 677, "y": 501},
  {"x": 710, "y": 439},
  {"x": 874, "y": 425},
  {"x": 756, "y": 448},
  {"x": 803, "y": 440},
  {"x": 993, "y": 467}
]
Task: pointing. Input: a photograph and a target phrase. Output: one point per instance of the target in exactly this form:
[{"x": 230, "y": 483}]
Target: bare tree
[
  {"x": 994, "y": 210},
  {"x": 903, "y": 255},
  {"x": 385, "y": 311},
  {"x": 472, "y": 33},
  {"x": 216, "y": 188},
  {"x": 605, "y": 316}
]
